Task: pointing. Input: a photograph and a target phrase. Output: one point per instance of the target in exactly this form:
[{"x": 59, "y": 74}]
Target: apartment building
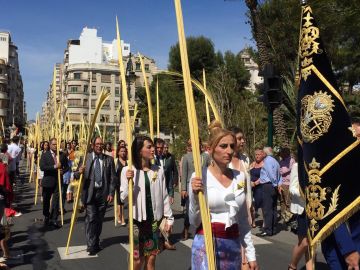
[
  {"x": 12, "y": 106},
  {"x": 90, "y": 65}
]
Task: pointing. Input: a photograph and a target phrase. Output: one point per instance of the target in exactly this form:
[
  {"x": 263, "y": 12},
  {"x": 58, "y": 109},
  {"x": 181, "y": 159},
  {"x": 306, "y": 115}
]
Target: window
[
  {"x": 93, "y": 103},
  {"x": 77, "y": 75},
  {"x": 73, "y": 89},
  {"x": 93, "y": 90},
  {"x": 2, "y": 38},
  {"x": 106, "y": 105},
  {"x": 137, "y": 67},
  {"x": 117, "y": 91},
  {"x": 74, "y": 117},
  {"x": 126, "y": 48},
  {"x": 116, "y": 104},
  {"x": 85, "y": 102},
  {"x": 147, "y": 67},
  {"x": 104, "y": 118},
  {"x": 85, "y": 116},
  {"x": 105, "y": 78},
  {"x": 3, "y": 104},
  {"x": 86, "y": 89},
  {"x": 246, "y": 60},
  {"x": 74, "y": 103}
]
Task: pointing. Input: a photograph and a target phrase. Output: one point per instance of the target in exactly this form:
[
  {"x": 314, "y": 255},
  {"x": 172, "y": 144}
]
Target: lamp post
[
  {"x": 130, "y": 77},
  {"x": 129, "y": 74}
]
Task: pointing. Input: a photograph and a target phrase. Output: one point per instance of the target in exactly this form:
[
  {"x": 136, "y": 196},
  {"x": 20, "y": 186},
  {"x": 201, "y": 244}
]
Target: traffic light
[{"x": 271, "y": 90}]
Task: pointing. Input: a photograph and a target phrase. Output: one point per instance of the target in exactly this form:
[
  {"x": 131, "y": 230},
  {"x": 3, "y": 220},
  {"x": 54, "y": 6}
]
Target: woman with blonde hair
[
  {"x": 150, "y": 202},
  {"x": 224, "y": 189}
]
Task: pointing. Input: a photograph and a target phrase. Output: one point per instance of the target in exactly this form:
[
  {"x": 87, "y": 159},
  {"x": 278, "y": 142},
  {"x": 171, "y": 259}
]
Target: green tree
[
  {"x": 339, "y": 24},
  {"x": 201, "y": 53}
]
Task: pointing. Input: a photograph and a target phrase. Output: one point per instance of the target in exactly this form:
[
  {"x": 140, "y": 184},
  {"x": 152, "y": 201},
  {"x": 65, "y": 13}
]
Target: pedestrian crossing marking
[
  {"x": 187, "y": 243},
  {"x": 259, "y": 241},
  {"x": 75, "y": 252},
  {"x": 125, "y": 246},
  {"x": 256, "y": 240}
]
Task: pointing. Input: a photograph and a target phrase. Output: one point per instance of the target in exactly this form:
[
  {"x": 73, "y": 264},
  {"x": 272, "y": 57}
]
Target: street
[{"x": 34, "y": 247}]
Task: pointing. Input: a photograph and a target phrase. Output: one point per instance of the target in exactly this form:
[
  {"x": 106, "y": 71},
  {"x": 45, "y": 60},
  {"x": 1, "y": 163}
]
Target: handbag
[{"x": 163, "y": 232}]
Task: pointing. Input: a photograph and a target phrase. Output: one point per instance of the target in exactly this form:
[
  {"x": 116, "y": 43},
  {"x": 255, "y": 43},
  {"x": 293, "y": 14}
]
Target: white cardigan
[
  {"x": 159, "y": 196},
  {"x": 226, "y": 205},
  {"x": 297, "y": 202}
]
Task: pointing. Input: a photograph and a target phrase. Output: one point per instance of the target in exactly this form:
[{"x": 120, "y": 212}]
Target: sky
[{"x": 41, "y": 28}]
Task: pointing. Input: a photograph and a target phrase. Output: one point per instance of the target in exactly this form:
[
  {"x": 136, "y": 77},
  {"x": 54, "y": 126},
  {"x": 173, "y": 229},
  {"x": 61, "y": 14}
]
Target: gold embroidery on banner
[
  {"x": 316, "y": 197},
  {"x": 315, "y": 118},
  {"x": 308, "y": 44},
  {"x": 328, "y": 85}
]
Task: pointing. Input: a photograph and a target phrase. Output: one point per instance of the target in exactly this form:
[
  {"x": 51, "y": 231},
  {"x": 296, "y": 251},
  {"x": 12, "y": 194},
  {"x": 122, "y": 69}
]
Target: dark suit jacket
[
  {"x": 47, "y": 163},
  {"x": 170, "y": 172},
  {"x": 108, "y": 174}
]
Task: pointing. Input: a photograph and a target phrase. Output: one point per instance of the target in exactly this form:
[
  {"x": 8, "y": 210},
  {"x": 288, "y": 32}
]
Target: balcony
[
  {"x": 3, "y": 79},
  {"x": 77, "y": 78},
  {"x": 76, "y": 106}
]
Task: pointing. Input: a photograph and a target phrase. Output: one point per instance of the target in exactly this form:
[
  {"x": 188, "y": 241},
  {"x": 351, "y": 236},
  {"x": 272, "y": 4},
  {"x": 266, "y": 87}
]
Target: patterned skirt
[
  {"x": 227, "y": 252},
  {"x": 146, "y": 238}
]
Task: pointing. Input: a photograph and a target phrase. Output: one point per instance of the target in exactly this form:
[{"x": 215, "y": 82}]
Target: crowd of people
[{"x": 241, "y": 194}]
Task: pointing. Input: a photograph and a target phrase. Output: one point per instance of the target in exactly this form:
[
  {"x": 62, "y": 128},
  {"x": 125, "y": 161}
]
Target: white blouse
[
  {"x": 159, "y": 196},
  {"x": 247, "y": 181},
  {"x": 227, "y": 205},
  {"x": 297, "y": 201}
]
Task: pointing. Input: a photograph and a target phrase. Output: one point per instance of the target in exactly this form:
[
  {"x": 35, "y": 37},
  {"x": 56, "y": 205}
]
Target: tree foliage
[
  {"x": 201, "y": 53},
  {"x": 339, "y": 24},
  {"x": 227, "y": 79}
]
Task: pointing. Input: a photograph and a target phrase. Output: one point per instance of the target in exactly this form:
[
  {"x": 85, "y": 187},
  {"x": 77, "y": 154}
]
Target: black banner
[{"x": 329, "y": 154}]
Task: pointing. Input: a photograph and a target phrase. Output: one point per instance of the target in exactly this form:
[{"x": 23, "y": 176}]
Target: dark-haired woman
[
  {"x": 150, "y": 202},
  {"x": 120, "y": 163}
]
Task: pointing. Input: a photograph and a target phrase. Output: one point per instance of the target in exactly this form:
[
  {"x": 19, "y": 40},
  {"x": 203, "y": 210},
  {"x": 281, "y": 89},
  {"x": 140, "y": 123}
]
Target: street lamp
[{"x": 129, "y": 74}]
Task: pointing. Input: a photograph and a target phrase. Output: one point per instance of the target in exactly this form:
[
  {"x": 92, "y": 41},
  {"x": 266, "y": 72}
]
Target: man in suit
[
  {"x": 98, "y": 190},
  {"x": 167, "y": 161},
  {"x": 50, "y": 165},
  {"x": 187, "y": 169}
]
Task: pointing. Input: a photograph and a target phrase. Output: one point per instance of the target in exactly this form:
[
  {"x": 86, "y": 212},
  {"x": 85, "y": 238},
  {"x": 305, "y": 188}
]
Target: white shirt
[
  {"x": 248, "y": 190},
  {"x": 297, "y": 202},
  {"x": 14, "y": 150},
  {"x": 227, "y": 205}
]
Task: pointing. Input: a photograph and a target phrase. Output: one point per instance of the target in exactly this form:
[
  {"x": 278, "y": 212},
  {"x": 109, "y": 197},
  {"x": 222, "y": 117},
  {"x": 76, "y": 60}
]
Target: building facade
[
  {"x": 12, "y": 106},
  {"x": 90, "y": 65},
  {"x": 253, "y": 69}
]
